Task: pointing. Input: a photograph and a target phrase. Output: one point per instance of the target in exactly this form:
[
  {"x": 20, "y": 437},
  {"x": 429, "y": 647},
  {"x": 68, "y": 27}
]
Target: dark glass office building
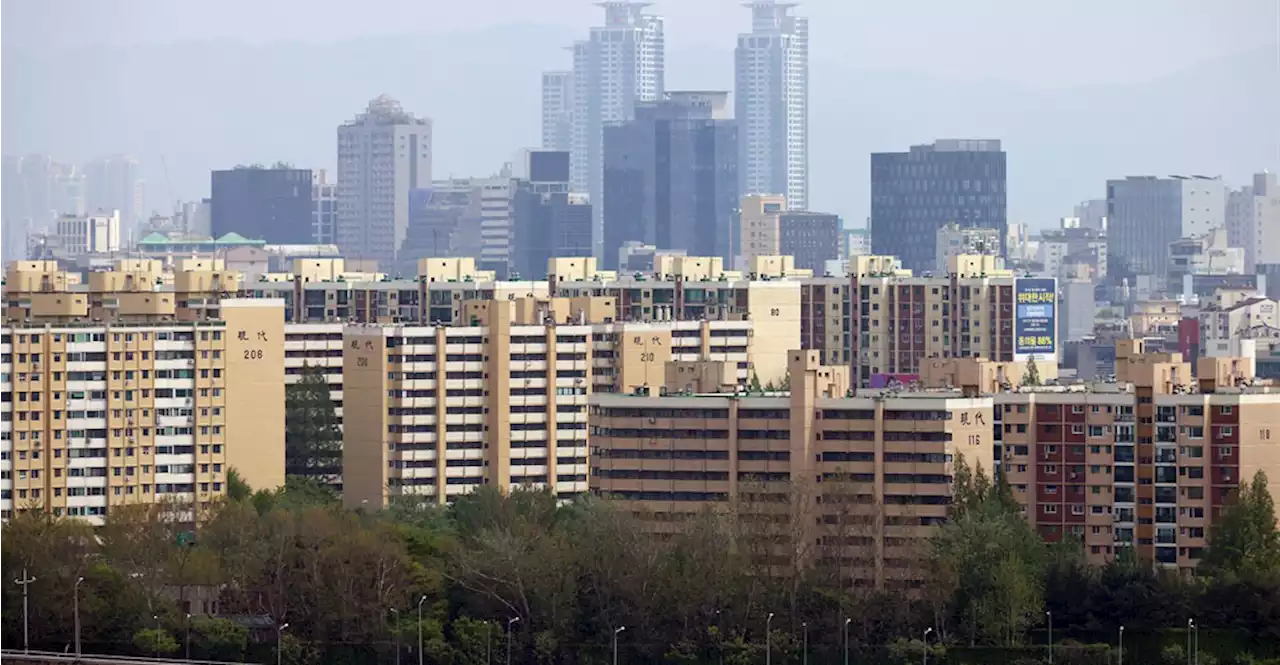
[
  {"x": 812, "y": 238},
  {"x": 671, "y": 177},
  {"x": 547, "y": 221},
  {"x": 914, "y": 193},
  {"x": 271, "y": 204}
]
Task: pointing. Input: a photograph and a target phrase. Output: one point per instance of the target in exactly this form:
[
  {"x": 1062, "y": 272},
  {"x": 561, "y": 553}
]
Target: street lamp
[
  {"x": 488, "y": 649},
  {"x": 188, "y": 638},
  {"x": 617, "y": 630},
  {"x": 805, "y": 626},
  {"x": 396, "y": 632},
  {"x": 768, "y": 641},
  {"x": 25, "y": 582},
  {"x": 75, "y": 609},
  {"x": 510, "y": 621},
  {"x": 280, "y": 641},
  {"x": 924, "y": 652},
  {"x": 420, "y": 602},
  {"x": 720, "y": 637},
  {"x": 156, "y": 618},
  {"x": 1193, "y": 642},
  {"x": 847, "y": 621},
  {"x": 1049, "y": 615},
  {"x": 1120, "y": 659}
]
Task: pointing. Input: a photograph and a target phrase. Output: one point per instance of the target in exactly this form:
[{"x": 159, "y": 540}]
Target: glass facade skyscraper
[
  {"x": 671, "y": 177},
  {"x": 915, "y": 193}
]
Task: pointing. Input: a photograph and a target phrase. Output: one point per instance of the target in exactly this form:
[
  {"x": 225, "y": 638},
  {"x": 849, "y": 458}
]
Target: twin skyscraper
[{"x": 621, "y": 67}]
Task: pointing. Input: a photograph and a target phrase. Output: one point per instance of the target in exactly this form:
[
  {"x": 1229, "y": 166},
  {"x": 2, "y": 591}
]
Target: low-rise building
[{"x": 857, "y": 481}]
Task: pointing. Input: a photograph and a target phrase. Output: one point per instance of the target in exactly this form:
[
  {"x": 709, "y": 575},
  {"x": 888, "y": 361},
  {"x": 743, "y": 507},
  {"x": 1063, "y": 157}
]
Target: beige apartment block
[
  {"x": 255, "y": 390},
  {"x": 106, "y": 415},
  {"x": 862, "y": 479},
  {"x": 438, "y": 411},
  {"x": 758, "y": 226}
]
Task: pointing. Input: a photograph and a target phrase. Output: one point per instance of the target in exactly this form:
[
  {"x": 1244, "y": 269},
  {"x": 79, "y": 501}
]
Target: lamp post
[
  {"x": 75, "y": 609},
  {"x": 1190, "y": 624},
  {"x": 617, "y": 630},
  {"x": 1120, "y": 660},
  {"x": 156, "y": 618},
  {"x": 804, "y": 625},
  {"x": 25, "y": 582},
  {"x": 1049, "y": 615},
  {"x": 488, "y": 649},
  {"x": 847, "y": 621},
  {"x": 510, "y": 621},
  {"x": 420, "y": 602},
  {"x": 188, "y": 637},
  {"x": 720, "y": 637},
  {"x": 924, "y": 652},
  {"x": 280, "y": 641},
  {"x": 395, "y": 630},
  {"x": 768, "y": 641}
]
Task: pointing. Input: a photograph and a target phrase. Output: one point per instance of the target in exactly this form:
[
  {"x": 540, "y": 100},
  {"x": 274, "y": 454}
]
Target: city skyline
[{"x": 1081, "y": 136}]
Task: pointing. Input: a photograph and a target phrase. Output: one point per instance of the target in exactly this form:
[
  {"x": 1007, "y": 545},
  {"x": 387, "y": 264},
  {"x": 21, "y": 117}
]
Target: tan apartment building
[
  {"x": 1147, "y": 461},
  {"x": 864, "y": 477},
  {"x": 758, "y": 225},
  {"x": 97, "y": 416},
  {"x": 441, "y": 410},
  {"x": 690, "y": 289},
  {"x": 900, "y": 321},
  {"x": 134, "y": 290}
]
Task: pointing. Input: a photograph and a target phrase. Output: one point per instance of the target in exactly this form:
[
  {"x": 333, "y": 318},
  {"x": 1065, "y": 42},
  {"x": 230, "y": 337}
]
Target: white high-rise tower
[
  {"x": 557, "y": 110},
  {"x": 621, "y": 63},
  {"x": 772, "y": 103},
  {"x": 383, "y": 154}
]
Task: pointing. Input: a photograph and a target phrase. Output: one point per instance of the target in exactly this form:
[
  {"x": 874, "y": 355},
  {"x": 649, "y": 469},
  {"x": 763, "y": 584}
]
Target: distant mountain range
[{"x": 212, "y": 105}]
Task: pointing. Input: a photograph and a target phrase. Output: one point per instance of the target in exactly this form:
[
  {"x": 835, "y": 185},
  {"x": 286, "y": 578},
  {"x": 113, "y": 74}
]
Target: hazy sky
[
  {"x": 1040, "y": 42},
  {"x": 1079, "y": 90}
]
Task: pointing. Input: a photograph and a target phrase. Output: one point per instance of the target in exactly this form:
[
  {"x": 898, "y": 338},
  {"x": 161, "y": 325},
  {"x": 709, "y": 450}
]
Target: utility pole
[{"x": 25, "y": 582}]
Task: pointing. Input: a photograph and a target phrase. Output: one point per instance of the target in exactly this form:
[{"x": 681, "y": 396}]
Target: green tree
[
  {"x": 219, "y": 639},
  {"x": 1032, "y": 376},
  {"x": 154, "y": 641},
  {"x": 991, "y": 561},
  {"x": 312, "y": 436},
  {"x": 1245, "y": 541}
]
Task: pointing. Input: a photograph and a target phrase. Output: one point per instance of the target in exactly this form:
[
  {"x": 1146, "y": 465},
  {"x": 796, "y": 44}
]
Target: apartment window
[{"x": 1051, "y": 509}]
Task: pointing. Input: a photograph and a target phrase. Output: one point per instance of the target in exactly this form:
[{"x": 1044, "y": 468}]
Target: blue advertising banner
[{"x": 1034, "y": 326}]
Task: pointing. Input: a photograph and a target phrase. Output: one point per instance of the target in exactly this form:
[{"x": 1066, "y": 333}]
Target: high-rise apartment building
[
  {"x": 1146, "y": 214},
  {"x": 106, "y": 415},
  {"x": 114, "y": 183},
  {"x": 621, "y": 63},
  {"x": 811, "y": 238},
  {"x": 557, "y": 110},
  {"x": 771, "y": 90},
  {"x": 440, "y": 411},
  {"x": 37, "y": 190},
  {"x": 915, "y": 193},
  {"x": 887, "y": 323},
  {"x": 383, "y": 154},
  {"x": 670, "y": 176},
  {"x": 865, "y": 478},
  {"x": 273, "y": 204},
  {"x": 548, "y": 222},
  {"x": 1147, "y": 462}
]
